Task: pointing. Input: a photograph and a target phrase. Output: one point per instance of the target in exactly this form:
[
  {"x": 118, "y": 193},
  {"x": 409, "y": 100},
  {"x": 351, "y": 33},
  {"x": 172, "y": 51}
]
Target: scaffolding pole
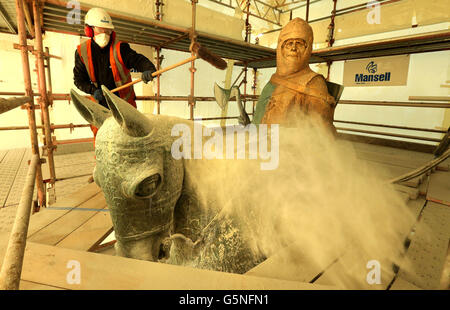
[
  {"x": 12, "y": 263},
  {"x": 248, "y": 27},
  {"x": 158, "y": 4},
  {"x": 158, "y": 80},
  {"x": 255, "y": 81},
  {"x": 53, "y": 127},
  {"x": 248, "y": 32},
  {"x": 44, "y": 102},
  {"x": 331, "y": 36},
  {"x": 193, "y": 36},
  {"x": 245, "y": 86},
  {"x": 29, "y": 93},
  {"x": 42, "y": 127},
  {"x": 49, "y": 76},
  {"x": 307, "y": 11}
]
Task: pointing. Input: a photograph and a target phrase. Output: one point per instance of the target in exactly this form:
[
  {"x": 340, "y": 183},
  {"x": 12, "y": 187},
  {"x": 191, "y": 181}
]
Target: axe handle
[{"x": 157, "y": 73}]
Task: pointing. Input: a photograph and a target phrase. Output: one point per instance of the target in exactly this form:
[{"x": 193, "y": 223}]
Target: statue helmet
[{"x": 296, "y": 28}]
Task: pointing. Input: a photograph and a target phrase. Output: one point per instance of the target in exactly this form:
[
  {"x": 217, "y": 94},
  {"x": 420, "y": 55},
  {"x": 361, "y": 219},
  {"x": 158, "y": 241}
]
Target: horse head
[{"x": 140, "y": 179}]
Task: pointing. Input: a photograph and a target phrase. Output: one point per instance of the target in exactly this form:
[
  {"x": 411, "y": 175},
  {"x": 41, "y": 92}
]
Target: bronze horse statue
[{"x": 158, "y": 208}]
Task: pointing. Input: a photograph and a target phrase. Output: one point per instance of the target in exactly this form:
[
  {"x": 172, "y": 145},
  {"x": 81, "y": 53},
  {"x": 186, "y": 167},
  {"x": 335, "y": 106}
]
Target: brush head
[{"x": 207, "y": 56}]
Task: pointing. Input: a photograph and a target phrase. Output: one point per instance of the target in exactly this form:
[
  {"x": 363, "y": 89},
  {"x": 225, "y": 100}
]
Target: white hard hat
[{"x": 98, "y": 17}]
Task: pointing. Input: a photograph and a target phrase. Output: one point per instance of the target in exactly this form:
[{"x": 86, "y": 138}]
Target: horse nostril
[
  {"x": 162, "y": 252},
  {"x": 148, "y": 186}
]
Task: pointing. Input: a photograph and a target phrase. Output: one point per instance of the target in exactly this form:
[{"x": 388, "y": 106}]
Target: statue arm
[
  {"x": 323, "y": 106},
  {"x": 262, "y": 103}
]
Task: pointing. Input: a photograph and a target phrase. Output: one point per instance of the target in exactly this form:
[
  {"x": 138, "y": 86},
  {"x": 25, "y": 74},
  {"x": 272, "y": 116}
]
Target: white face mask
[{"x": 102, "y": 39}]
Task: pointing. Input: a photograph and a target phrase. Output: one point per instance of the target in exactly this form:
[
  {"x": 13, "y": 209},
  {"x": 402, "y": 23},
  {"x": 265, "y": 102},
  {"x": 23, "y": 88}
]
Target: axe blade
[
  {"x": 222, "y": 96},
  {"x": 243, "y": 119}
]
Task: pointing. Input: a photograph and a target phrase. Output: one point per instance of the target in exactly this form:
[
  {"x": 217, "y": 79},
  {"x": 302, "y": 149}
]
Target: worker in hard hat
[{"x": 103, "y": 60}]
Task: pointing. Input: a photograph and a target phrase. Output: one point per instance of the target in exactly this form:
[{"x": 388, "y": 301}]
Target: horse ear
[
  {"x": 133, "y": 122},
  {"x": 91, "y": 111},
  {"x": 12, "y": 103}
]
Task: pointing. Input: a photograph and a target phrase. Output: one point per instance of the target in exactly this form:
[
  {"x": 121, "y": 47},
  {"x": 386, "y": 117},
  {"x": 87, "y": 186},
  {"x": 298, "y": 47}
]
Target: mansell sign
[
  {"x": 380, "y": 71},
  {"x": 371, "y": 75}
]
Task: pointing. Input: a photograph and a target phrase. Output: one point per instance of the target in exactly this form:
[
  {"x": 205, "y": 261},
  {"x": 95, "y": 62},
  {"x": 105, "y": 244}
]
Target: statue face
[
  {"x": 294, "y": 49},
  {"x": 295, "y": 55}
]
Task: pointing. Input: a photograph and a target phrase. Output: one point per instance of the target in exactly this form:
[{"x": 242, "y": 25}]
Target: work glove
[
  {"x": 147, "y": 76},
  {"x": 98, "y": 95}
]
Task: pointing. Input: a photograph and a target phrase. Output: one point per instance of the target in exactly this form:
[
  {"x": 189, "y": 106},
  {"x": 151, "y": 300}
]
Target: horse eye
[{"x": 148, "y": 186}]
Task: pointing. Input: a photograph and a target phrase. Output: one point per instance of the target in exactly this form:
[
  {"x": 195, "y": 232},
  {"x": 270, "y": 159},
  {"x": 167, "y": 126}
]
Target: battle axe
[
  {"x": 199, "y": 52},
  {"x": 223, "y": 96}
]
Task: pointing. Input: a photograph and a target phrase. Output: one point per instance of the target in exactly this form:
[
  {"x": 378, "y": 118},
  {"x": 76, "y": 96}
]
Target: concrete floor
[{"x": 73, "y": 169}]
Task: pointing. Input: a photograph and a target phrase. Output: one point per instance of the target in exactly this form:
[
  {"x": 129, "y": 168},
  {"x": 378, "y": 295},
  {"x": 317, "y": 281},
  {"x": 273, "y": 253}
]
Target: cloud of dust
[{"x": 322, "y": 200}]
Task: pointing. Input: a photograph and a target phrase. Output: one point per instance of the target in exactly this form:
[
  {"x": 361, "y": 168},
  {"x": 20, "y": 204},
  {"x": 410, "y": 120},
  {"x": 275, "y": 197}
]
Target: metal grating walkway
[{"x": 72, "y": 171}]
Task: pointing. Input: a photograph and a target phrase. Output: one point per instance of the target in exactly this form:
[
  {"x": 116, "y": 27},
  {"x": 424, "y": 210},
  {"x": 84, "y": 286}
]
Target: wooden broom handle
[{"x": 157, "y": 72}]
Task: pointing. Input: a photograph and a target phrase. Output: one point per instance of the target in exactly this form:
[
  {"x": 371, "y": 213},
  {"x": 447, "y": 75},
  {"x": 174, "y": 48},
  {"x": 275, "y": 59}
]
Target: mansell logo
[
  {"x": 371, "y": 67},
  {"x": 105, "y": 20},
  {"x": 372, "y": 77}
]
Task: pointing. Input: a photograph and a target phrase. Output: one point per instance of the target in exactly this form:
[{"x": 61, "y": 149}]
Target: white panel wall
[
  {"x": 427, "y": 71},
  {"x": 11, "y": 80}
]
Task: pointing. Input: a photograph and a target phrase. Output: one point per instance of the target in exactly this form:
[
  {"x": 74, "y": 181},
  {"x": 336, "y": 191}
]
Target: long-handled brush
[{"x": 199, "y": 51}]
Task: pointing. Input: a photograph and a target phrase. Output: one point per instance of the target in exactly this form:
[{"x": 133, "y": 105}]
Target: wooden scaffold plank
[
  {"x": 350, "y": 270},
  {"x": 47, "y": 216},
  {"x": 47, "y": 265},
  {"x": 28, "y": 286},
  {"x": 56, "y": 231},
  {"x": 293, "y": 264},
  {"x": 388, "y": 172},
  {"x": 393, "y": 159},
  {"x": 90, "y": 234}
]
